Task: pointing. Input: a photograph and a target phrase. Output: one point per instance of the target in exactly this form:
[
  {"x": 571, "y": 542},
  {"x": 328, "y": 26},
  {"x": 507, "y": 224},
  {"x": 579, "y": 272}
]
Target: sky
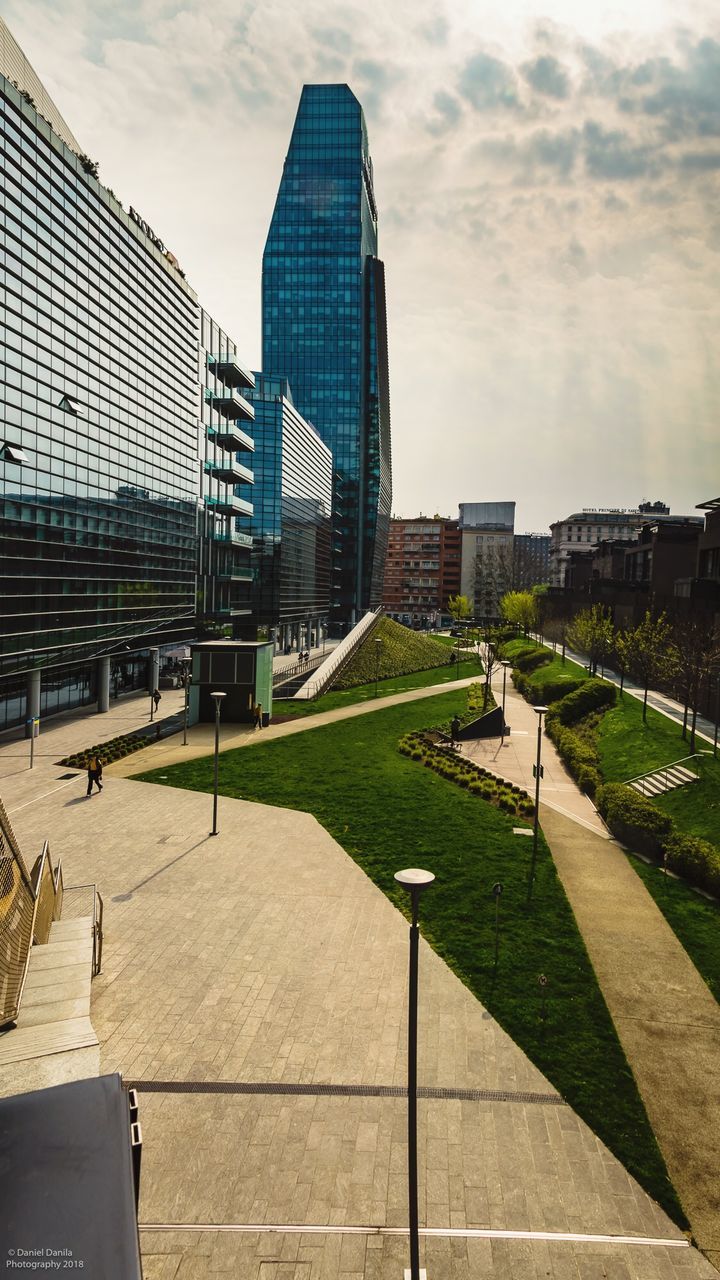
[{"x": 547, "y": 175}]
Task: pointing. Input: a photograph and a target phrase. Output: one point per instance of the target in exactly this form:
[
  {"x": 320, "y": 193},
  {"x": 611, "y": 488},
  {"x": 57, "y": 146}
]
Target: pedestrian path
[
  {"x": 666, "y": 1018},
  {"x": 239, "y": 967}
]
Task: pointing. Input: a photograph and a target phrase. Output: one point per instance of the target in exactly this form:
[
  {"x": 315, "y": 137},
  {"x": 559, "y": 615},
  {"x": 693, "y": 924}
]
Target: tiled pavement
[{"x": 265, "y": 955}]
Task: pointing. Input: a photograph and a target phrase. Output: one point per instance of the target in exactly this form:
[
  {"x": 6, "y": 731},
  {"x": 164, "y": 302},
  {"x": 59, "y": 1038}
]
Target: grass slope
[
  {"x": 694, "y": 920},
  {"x": 627, "y": 747},
  {"x": 401, "y": 652},
  {"x": 553, "y": 672},
  {"x": 469, "y": 666},
  {"x": 388, "y": 812}
]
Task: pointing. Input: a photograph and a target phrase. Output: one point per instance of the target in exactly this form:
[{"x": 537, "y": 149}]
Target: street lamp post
[
  {"x": 186, "y": 686},
  {"x": 538, "y": 772},
  {"x": 457, "y": 656},
  {"x": 378, "y": 649},
  {"x": 218, "y": 700},
  {"x": 504, "y": 666},
  {"x": 414, "y": 881}
]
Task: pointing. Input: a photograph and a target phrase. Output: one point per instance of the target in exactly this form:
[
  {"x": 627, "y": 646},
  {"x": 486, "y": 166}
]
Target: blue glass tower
[{"x": 325, "y": 330}]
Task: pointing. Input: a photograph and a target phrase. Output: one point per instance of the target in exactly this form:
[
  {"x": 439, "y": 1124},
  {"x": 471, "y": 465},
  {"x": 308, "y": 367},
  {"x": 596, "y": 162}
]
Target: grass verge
[
  {"x": 387, "y": 812},
  {"x": 694, "y": 920},
  {"x": 469, "y": 666},
  {"x": 627, "y": 748}
]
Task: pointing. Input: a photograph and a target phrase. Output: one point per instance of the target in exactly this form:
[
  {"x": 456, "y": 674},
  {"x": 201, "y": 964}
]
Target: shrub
[
  {"x": 591, "y": 695},
  {"x": 695, "y": 859},
  {"x": 633, "y": 819},
  {"x": 532, "y": 659}
]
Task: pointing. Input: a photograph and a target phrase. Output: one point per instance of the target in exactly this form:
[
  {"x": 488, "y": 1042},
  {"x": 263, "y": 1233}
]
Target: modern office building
[
  {"x": 486, "y": 531},
  {"x": 291, "y": 521},
  {"x": 531, "y": 560},
  {"x": 102, "y": 447},
  {"x": 324, "y": 327}
]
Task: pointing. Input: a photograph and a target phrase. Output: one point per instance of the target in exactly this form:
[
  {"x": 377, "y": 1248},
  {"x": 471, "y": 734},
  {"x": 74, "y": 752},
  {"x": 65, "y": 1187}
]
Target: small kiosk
[{"x": 241, "y": 669}]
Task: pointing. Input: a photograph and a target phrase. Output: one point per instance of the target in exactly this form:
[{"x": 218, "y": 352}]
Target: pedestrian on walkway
[
  {"x": 455, "y": 730},
  {"x": 257, "y": 712},
  {"x": 156, "y": 699},
  {"x": 94, "y": 774}
]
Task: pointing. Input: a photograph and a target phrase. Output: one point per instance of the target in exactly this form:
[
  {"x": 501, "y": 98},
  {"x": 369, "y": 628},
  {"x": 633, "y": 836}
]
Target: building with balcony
[
  {"x": 324, "y": 327},
  {"x": 584, "y": 530},
  {"x": 291, "y": 521},
  {"x": 486, "y": 566},
  {"x": 115, "y": 503},
  {"x": 227, "y": 480}
]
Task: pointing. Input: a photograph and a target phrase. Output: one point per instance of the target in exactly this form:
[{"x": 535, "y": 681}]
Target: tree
[
  {"x": 696, "y": 644},
  {"x": 458, "y": 607},
  {"x": 592, "y": 632},
  {"x": 647, "y": 652},
  {"x": 492, "y": 659},
  {"x": 521, "y": 609}
]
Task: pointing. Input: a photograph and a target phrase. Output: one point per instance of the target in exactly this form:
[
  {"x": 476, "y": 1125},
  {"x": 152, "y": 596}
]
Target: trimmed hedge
[
  {"x": 530, "y": 659},
  {"x": 464, "y": 773},
  {"x": 695, "y": 860},
  {"x": 108, "y": 752},
  {"x": 592, "y": 695},
  {"x": 544, "y": 694},
  {"x": 634, "y": 819},
  {"x": 576, "y": 753}
]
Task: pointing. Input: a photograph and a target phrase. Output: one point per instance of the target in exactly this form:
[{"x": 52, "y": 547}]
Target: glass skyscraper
[{"x": 324, "y": 327}]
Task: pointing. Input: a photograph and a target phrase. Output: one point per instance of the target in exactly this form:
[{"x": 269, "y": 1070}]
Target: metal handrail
[
  {"x": 97, "y": 924},
  {"x": 285, "y": 674},
  {"x": 664, "y": 768}
]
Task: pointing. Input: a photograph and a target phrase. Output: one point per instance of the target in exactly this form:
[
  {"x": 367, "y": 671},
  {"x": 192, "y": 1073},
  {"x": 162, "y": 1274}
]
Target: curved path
[{"x": 237, "y": 960}]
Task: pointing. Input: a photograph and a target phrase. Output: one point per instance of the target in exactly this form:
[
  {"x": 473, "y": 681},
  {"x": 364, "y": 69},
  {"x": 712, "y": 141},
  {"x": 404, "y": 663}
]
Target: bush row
[
  {"x": 478, "y": 781},
  {"x": 578, "y": 753},
  {"x": 107, "y": 752},
  {"x": 549, "y": 692},
  {"x": 638, "y": 823}
]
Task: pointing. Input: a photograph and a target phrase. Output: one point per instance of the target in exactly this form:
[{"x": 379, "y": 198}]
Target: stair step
[{"x": 54, "y": 1037}]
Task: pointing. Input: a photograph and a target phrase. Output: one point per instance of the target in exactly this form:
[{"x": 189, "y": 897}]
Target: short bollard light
[{"x": 414, "y": 880}]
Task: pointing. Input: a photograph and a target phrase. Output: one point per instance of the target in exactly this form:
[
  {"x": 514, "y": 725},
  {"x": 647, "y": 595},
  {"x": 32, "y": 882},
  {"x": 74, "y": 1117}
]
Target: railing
[
  {"x": 48, "y": 888},
  {"x": 286, "y": 674},
  {"x": 331, "y": 668},
  {"x": 17, "y": 918},
  {"x": 80, "y": 908},
  {"x": 664, "y": 769}
]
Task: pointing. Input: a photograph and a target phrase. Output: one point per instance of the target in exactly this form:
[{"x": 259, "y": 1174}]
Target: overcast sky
[{"x": 547, "y": 176}]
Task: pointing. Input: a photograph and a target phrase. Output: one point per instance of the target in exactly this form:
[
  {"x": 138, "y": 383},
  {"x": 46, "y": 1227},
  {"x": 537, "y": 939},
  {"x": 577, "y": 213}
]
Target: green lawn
[
  {"x": 552, "y": 672},
  {"x": 469, "y": 666},
  {"x": 694, "y": 919},
  {"x": 389, "y": 812},
  {"x": 627, "y": 747}
]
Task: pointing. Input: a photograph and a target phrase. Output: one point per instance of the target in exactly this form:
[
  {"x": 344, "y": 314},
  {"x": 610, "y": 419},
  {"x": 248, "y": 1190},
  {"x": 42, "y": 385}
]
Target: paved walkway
[
  {"x": 265, "y": 958},
  {"x": 666, "y": 1017}
]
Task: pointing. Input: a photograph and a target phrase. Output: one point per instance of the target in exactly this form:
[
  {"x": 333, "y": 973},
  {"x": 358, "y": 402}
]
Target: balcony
[
  {"x": 233, "y": 537},
  {"x": 232, "y": 438},
  {"x": 230, "y": 404},
  {"x": 229, "y": 505},
  {"x": 230, "y": 472},
  {"x": 234, "y": 575},
  {"x": 229, "y": 369}
]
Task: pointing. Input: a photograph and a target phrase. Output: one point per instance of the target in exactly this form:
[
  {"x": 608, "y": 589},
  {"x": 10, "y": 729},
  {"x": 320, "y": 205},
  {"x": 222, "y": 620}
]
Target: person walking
[
  {"x": 156, "y": 699},
  {"x": 257, "y": 712},
  {"x": 94, "y": 774},
  {"x": 455, "y": 730}
]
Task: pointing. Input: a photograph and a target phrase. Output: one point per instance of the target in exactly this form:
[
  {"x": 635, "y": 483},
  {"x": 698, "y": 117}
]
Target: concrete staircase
[
  {"x": 53, "y": 1040},
  {"x": 661, "y": 780}
]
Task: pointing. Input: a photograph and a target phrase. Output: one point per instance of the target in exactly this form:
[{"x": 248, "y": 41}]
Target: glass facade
[
  {"x": 324, "y": 327},
  {"x": 291, "y": 519},
  {"x": 226, "y": 453},
  {"x": 119, "y": 459}
]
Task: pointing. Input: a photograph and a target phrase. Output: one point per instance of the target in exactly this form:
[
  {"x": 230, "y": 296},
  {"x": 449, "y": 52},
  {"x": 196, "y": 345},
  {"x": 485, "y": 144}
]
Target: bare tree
[
  {"x": 696, "y": 642},
  {"x": 592, "y": 632},
  {"x": 647, "y": 652}
]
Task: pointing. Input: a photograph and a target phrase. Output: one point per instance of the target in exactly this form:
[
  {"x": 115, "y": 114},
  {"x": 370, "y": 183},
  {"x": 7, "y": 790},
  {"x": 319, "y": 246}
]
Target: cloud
[
  {"x": 488, "y": 83},
  {"x": 449, "y": 112},
  {"x": 700, "y": 161},
  {"x": 546, "y": 75},
  {"x": 334, "y": 38},
  {"x": 611, "y": 154}
]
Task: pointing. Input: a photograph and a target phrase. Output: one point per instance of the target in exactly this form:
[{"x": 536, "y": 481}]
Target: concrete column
[
  {"x": 103, "y": 684},
  {"x": 32, "y": 706},
  {"x": 153, "y": 670}
]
